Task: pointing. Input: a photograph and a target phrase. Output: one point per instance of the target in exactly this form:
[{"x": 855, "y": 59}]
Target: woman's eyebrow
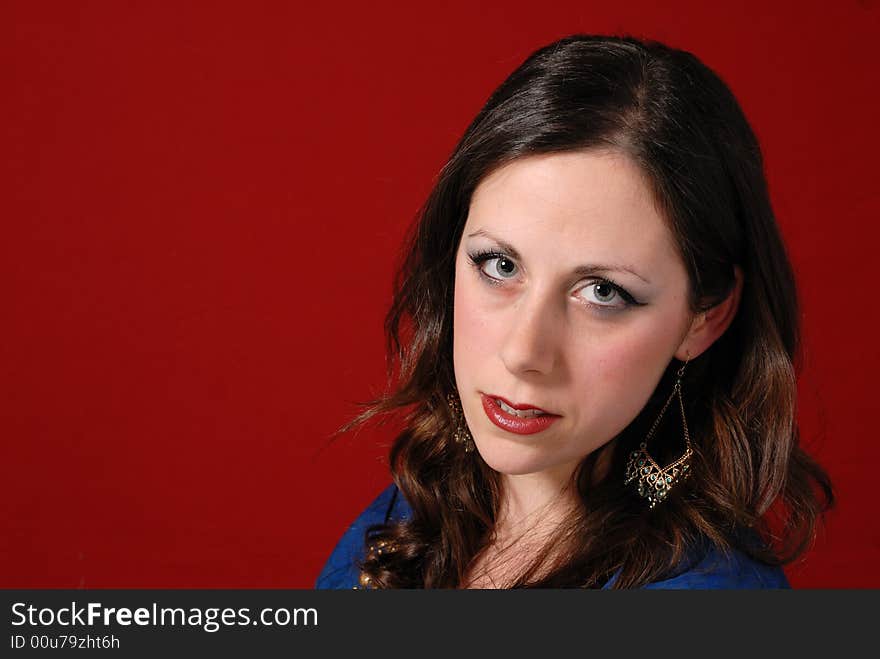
[{"x": 581, "y": 270}]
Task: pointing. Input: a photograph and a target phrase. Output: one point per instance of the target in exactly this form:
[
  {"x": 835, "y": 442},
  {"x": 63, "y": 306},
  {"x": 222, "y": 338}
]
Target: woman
[{"x": 595, "y": 329}]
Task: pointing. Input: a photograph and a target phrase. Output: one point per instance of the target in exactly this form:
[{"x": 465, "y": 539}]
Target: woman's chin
[{"x": 514, "y": 460}]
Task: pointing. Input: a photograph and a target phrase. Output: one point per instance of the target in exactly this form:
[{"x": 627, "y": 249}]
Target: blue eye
[
  {"x": 502, "y": 266},
  {"x": 494, "y": 265},
  {"x": 604, "y": 292}
]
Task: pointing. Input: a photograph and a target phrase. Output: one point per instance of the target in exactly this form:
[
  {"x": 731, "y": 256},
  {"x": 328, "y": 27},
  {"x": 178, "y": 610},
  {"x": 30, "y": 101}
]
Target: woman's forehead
[
  {"x": 579, "y": 183},
  {"x": 596, "y": 203}
]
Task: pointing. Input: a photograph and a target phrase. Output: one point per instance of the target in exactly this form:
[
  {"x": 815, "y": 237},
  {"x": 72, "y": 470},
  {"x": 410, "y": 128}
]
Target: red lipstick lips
[{"x": 513, "y": 423}]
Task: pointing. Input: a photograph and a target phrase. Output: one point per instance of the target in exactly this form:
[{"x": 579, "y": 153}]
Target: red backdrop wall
[{"x": 201, "y": 208}]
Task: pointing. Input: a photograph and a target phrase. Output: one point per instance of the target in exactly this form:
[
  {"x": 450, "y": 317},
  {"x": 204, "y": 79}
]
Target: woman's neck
[{"x": 532, "y": 506}]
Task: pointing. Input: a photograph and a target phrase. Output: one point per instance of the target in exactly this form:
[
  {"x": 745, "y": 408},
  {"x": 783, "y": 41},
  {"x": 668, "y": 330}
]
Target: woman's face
[{"x": 570, "y": 296}]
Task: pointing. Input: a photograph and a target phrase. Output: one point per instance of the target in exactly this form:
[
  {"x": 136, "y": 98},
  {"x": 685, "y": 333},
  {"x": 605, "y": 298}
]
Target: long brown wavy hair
[{"x": 752, "y": 487}]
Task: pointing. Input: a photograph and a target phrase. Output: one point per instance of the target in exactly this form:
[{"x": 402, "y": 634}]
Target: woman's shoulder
[
  {"x": 725, "y": 570},
  {"x": 341, "y": 570}
]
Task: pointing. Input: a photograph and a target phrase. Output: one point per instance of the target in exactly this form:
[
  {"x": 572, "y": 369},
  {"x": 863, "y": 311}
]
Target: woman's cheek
[
  {"x": 470, "y": 329},
  {"x": 631, "y": 366}
]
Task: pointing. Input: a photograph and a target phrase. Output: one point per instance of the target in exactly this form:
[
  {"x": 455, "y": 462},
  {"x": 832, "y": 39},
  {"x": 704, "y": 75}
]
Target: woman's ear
[{"x": 708, "y": 325}]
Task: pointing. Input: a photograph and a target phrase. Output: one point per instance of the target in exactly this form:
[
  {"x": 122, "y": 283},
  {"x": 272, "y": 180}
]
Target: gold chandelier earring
[
  {"x": 654, "y": 482},
  {"x": 461, "y": 433}
]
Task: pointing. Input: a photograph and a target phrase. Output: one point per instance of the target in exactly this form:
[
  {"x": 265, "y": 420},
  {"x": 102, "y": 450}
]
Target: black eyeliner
[
  {"x": 620, "y": 290},
  {"x": 477, "y": 260},
  {"x": 479, "y": 257}
]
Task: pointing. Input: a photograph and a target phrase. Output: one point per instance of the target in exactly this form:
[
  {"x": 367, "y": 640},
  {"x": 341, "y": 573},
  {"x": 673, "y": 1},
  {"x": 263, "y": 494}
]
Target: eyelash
[{"x": 477, "y": 259}]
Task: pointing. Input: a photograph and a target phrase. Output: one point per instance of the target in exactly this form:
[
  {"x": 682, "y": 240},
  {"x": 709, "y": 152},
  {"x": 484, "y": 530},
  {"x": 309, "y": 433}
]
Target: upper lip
[{"x": 520, "y": 406}]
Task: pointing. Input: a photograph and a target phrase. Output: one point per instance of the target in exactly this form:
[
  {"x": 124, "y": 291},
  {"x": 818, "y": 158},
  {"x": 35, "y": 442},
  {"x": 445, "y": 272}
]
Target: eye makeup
[{"x": 479, "y": 258}]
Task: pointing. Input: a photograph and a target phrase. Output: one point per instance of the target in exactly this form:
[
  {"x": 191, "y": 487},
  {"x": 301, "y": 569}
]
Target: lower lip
[{"x": 513, "y": 423}]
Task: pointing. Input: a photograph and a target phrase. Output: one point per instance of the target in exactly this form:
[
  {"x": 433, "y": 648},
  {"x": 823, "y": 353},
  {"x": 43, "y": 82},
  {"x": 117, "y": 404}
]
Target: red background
[{"x": 201, "y": 208}]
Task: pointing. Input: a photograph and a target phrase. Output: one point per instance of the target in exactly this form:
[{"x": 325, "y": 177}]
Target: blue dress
[{"x": 716, "y": 570}]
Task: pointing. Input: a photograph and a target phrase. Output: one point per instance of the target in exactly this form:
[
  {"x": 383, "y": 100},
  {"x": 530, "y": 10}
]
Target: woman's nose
[{"x": 532, "y": 342}]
